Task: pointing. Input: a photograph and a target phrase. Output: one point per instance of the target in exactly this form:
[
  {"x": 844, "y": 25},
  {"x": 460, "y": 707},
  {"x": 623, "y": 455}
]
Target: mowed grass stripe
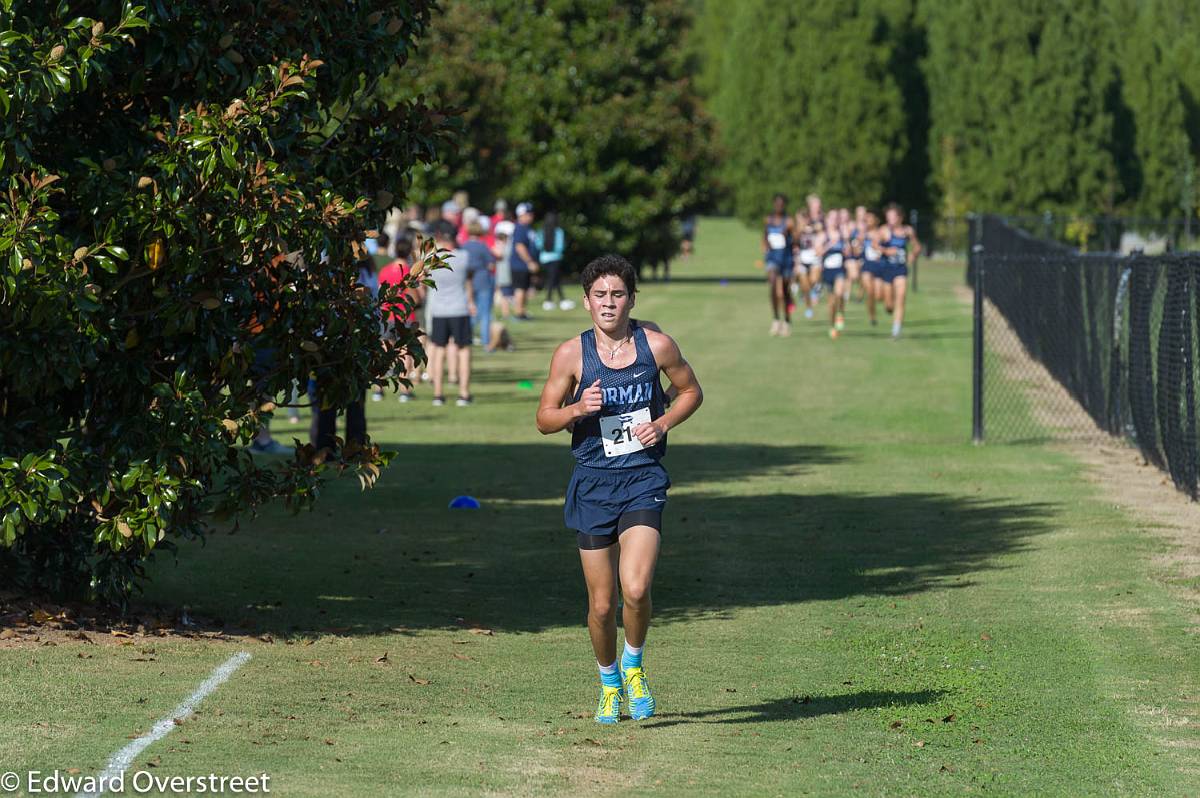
[{"x": 852, "y": 599}]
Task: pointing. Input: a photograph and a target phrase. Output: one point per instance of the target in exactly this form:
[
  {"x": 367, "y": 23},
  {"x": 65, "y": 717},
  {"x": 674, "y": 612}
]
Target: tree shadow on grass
[
  {"x": 396, "y": 558},
  {"x": 794, "y": 708}
]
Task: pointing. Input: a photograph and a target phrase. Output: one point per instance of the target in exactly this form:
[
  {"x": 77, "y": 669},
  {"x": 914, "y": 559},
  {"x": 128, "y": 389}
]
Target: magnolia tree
[{"x": 187, "y": 188}]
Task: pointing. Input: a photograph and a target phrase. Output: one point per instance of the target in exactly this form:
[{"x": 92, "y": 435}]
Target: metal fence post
[{"x": 977, "y": 258}]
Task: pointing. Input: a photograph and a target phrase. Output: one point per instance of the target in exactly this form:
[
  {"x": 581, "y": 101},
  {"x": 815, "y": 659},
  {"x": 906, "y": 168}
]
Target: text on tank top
[{"x": 631, "y": 395}]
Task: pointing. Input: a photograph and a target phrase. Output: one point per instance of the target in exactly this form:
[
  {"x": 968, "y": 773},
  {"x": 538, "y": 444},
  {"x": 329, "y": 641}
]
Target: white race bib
[
  {"x": 617, "y": 432},
  {"x": 776, "y": 241},
  {"x": 833, "y": 260},
  {"x": 808, "y": 256}
]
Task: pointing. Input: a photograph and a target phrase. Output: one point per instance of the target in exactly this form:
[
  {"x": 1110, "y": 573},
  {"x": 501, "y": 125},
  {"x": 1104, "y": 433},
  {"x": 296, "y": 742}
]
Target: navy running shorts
[
  {"x": 784, "y": 268},
  {"x": 830, "y": 276},
  {"x": 601, "y": 503},
  {"x": 893, "y": 270}
]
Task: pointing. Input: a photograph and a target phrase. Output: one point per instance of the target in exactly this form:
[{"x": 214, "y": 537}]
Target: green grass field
[{"x": 851, "y": 599}]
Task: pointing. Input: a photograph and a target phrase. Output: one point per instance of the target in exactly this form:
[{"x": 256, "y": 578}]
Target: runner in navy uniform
[
  {"x": 604, "y": 386},
  {"x": 777, "y": 258},
  {"x": 900, "y": 247},
  {"x": 872, "y": 263},
  {"x": 831, "y": 248},
  {"x": 813, "y": 230}
]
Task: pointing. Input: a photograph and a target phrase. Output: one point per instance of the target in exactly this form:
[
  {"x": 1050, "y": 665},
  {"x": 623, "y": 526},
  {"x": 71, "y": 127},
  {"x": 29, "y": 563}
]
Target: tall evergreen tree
[
  {"x": 581, "y": 105},
  {"x": 1019, "y": 111},
  {"x": 818, "y": 107},
  {"x": 1159, "y": 137}
]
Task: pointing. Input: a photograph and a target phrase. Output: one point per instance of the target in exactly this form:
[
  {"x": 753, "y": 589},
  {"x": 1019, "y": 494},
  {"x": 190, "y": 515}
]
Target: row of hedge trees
[
  {"x": 584, "y": 106},
  {"x": 1086, "y": 107}
]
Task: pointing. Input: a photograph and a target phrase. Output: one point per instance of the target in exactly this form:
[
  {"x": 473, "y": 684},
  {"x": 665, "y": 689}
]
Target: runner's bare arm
[
  {"x": 523, "y": 253},
  {"x": 915, "y": 249},
  {"x": 683, "y": 379},
  {"x": 554, "y": 414},
  {"x": 671, "y": 391}
]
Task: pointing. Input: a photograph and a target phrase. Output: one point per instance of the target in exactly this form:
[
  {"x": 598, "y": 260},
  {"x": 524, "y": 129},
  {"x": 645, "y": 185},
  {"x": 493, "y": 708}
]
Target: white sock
[
  {"x": 895, "y": 328},
  {"x": 607, "y": 670},
  {"x": 631, "y": 651}
]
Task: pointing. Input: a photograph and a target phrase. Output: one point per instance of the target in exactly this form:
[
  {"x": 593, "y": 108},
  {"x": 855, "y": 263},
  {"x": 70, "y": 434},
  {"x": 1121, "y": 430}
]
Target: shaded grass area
[{"x": 851, "y": 600}]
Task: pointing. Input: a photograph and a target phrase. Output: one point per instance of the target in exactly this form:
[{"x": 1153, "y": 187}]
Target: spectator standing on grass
[
  {"x": 356, "y": 416},
  {"x": 397, "y": 315},
  {"x": 551, "y": 241},
  {"x": 451, "y": 305},
  {"x": 688, "y": 229},
  {"x": 502, "y": 250},
  {"x": 481, "y": 269},
  {"x": 524, "y": 261}
]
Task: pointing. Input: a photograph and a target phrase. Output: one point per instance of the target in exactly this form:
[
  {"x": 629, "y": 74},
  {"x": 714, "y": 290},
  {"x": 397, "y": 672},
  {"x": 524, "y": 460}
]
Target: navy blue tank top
[
  {"x": 901, "y": 245},
  {"x": 779, "y": 240},
  {"x": 626, "y": 391},
  {"x": 834, "y": 256}
]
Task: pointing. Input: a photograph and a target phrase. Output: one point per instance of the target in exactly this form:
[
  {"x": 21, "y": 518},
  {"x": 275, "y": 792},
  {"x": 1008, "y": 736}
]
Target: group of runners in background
[{"x": 815, "y": 251}]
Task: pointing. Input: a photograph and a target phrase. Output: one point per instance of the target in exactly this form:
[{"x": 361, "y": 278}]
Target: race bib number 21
[{"x": 617, "y": 432}]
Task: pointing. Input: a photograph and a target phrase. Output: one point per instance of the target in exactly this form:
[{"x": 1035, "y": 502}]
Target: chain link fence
[{"x": 1075, "y": 344}]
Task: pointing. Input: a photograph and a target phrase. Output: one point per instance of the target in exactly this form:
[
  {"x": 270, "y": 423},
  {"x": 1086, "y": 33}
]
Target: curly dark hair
[{"x": 609, "y": 265}]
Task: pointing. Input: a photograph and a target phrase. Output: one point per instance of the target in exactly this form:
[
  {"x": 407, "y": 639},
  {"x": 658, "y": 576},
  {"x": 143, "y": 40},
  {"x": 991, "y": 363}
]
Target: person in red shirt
[{"x": 396, "y": 315}]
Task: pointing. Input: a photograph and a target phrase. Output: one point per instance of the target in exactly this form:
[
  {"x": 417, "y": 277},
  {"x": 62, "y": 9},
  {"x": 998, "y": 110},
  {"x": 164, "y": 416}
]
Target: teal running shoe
[
  {"x": 641, "y": 702},
  {"x": 609, "y": 710}
]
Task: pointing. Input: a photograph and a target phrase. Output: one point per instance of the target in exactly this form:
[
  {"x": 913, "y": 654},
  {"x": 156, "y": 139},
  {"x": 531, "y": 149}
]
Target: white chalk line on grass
[{"x": 121, "y": 760}]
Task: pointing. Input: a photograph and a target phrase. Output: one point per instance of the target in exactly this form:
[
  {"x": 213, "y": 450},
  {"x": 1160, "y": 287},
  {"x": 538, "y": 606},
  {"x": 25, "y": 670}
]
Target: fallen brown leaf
[
  {"x": 895, "y": 724},
  {"x": 382, "y": 660},
  {"x": 415, "y": 680},
  {"x": 487, "y": 632},
  {"x": 950, "y": 718}
]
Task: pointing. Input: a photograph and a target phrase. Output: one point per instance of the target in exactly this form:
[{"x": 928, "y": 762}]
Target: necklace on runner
[{"x": 612, "y": 353}]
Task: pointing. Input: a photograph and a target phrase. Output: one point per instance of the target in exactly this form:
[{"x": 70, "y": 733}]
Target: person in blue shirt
[
  {"x": 551, "y": 241},
  {"x": 481, "y": 270},
  {"x": 524, "y": 261},
  {"x": 604, "y": 386}
]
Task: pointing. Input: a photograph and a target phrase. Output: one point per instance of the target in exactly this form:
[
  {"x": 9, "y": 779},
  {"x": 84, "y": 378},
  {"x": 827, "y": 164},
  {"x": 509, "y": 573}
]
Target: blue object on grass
[
  {"x": 464, "y": 503},
  {"x": 724, "y": 281}
]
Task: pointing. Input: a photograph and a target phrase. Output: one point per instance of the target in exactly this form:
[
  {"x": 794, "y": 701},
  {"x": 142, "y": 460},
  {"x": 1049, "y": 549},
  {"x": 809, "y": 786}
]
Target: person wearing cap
[{"x": 524, "y": 259}]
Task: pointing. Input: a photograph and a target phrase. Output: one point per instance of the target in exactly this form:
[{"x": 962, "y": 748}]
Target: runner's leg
[
  {"x": 600, "y": 574},
  {"x": 900, "y": 287},
  {"x": 638, "y": 558}
]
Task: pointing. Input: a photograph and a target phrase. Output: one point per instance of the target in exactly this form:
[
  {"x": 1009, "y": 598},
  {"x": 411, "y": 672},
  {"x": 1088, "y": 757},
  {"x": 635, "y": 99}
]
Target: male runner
[{"x": 604, "y": 386}]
